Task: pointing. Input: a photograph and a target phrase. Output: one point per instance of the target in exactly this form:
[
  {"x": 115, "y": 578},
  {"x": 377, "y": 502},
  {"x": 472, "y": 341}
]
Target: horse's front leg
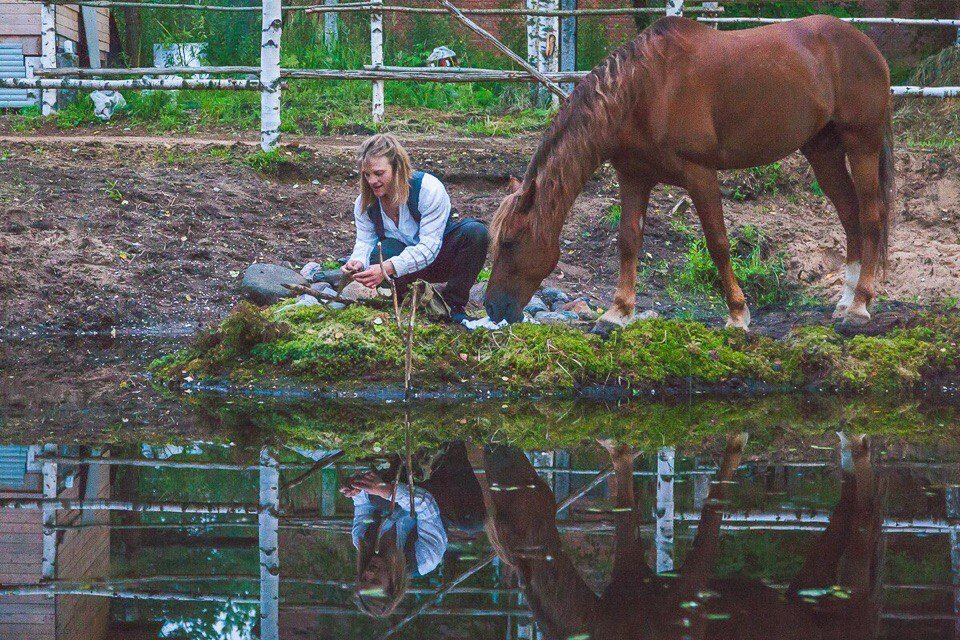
[
  {"x": 634, "y": 196},
  {"x": 704, "y": 188}
]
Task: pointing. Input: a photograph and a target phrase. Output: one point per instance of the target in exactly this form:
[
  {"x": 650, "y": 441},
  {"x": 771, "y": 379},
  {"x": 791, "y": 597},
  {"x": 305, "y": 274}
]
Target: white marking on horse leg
[
  {"x": 613, "y": 316},
  {"x": 851, "y": 277},
  {"x": 846, "y": 454},
  {"x": 742, "y": 322}
]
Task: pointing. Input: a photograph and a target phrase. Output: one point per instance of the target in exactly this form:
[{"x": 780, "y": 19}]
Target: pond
[{"x": 127, "y": 510}]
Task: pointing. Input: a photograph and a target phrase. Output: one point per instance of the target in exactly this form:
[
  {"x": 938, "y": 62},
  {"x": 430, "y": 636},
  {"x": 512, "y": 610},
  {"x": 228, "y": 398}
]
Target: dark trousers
[{"x": 461, "y": 257}]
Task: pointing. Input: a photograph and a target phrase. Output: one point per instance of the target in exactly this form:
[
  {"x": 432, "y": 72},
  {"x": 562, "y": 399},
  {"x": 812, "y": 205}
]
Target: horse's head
[{"x": 523, "y": 255}]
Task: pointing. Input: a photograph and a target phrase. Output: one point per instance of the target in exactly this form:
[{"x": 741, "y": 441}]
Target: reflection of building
[{"x": 79, "y": 555}]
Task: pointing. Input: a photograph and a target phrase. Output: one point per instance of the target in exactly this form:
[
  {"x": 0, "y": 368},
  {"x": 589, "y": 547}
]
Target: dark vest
[{"x": 375, "y": 213}]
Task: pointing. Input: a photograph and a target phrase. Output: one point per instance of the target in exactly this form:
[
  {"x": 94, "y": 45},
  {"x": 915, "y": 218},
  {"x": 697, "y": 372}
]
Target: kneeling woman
[{"x": 408, "y": 213}]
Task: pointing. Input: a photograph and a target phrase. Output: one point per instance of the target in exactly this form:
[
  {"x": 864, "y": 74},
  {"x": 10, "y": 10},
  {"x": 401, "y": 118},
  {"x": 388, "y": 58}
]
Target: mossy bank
[{"x": 359, "y": 347}]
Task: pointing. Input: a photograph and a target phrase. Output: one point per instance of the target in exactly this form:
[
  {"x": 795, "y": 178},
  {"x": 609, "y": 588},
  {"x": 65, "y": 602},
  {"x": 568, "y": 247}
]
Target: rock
[
  {"x": 331, "y": 276},
  {"x": 262, "y": 282},
  {"x": 304, "y": 300},
  {"x": 324, "y": 288},
  {"x": 336, "y": 305},
  {"x": 356, "y": 291},
  {"x": 555, "y": 317},
  {"x": 477, "y": 292},
  {"x": 311, "y": 270},
  {"x": 551, "y": 296},
  {"x": 535, "y": 306},
  {"x": 582, "y": 309},
  {"x": 649, "y": 314}
]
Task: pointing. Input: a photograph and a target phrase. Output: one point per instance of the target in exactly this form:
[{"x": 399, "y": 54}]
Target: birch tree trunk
[
  {"x": 331, "y": 26},
  {"x": 666, "y": 457},
  {"x": 48, "y": 568},
  {"x": 270, "y": 75},
  {"x": 568, "y": 42},
  {"x": 376, "y": 59},
  {"x": 48, "y": 53},
  {"x": 269, "y": 521},
  {"x": 548, "y": 45},
  {"x": 674, "y": 7},
  {"x": 533, "y": 48},
  {"x": 953, "y": 511}
]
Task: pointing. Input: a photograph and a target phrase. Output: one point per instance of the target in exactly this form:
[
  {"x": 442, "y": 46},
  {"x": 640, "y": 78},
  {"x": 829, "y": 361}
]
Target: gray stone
[
  {"x": 356, "y": 291},
  {"x": 477, "y": 292},
  {"x": 324, "y": 288},
  {"x": 314, "y": 272},
  {"x": 336, "y": 305},
  {"x": 535, "y": 306},
  {"x": 551, "y": 296},
  {"x": 555, "y": 317},
  {"x": 649, "y": 314},
  {"x": 581, "y": 309},
  {"x": 262, "y": 282},
  {"x": 304, "y": 300}
]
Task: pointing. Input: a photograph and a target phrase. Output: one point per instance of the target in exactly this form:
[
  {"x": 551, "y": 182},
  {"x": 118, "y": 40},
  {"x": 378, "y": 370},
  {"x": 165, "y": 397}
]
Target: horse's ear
[
  {"x": 525, "y": 201},
  {"x": 514, "y": 185}
]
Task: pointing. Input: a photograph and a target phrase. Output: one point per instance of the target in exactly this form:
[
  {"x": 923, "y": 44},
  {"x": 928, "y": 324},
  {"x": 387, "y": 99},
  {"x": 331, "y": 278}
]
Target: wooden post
[
  {"x": 331, "y": 26},
  {"x": 666, "y": 458},
  {"x": 269, "y": 527},
  {"x": 376, "y": 59},
  {"x": 568, "y": 42},
  {"x": 48, "y": 569},
  {"x": 674, "y": 7},
  {"x": 270, "y": 75},
  {"x": 48, "y": 53}
]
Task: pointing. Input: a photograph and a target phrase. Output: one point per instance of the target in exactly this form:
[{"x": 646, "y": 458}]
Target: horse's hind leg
[
  {"x": 828, "y": 159},
  {"x": 704, "y": 189},
  {"x": 634, "y": 196},
  {"x": 823, "y": 560},
  {"x": 864, "y": 157}
]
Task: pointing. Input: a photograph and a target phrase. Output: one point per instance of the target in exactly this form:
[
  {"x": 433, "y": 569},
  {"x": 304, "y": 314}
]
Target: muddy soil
[{"x": 151, "y": 233}]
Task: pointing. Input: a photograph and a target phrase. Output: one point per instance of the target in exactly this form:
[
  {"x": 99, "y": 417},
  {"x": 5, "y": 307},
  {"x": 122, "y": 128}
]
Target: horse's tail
[{"x": 888, "y": 192}]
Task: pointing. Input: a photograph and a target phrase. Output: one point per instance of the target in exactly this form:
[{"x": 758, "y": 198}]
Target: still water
[{"x": 128, "y": 511}]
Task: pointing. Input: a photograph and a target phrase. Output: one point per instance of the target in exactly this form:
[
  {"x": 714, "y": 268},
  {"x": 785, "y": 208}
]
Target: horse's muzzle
[{"x": 503, "y": 307}]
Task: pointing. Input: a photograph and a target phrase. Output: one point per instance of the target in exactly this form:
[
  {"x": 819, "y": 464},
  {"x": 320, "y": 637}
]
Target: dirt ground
[{"x": 150, "y": 233}]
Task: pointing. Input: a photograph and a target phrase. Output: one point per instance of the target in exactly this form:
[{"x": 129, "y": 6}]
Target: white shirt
[
  {"x": 431, "y": 536},
  {"x": 423, "y": 240}
]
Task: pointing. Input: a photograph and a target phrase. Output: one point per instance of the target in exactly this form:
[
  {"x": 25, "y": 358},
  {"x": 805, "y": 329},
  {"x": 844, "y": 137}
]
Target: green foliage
[
  {"x": 612, "y": 217},
  {"x": 360, "y": 344},
  {"x": 275, "y": 163},
  {"x": 760, "y": 271}
]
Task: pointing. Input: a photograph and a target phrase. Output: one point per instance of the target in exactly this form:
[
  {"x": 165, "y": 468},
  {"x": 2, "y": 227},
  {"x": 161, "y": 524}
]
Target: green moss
[{"x": 360, "y": 345}]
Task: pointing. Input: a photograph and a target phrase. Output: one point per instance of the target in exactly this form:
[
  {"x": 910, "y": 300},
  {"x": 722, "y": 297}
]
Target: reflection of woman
[{"x": 393, "y": 545}]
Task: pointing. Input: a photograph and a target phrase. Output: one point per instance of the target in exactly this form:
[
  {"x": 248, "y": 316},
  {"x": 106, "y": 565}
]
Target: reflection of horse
[
  {"x": 683, "y": 101},
  {"x": 638, "y": 603}
]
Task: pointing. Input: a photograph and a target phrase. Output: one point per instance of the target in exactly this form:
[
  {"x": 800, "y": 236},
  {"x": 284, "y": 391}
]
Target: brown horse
[
  {"x": 683, "y": 101},
  {"x": 693, "y": 603}
]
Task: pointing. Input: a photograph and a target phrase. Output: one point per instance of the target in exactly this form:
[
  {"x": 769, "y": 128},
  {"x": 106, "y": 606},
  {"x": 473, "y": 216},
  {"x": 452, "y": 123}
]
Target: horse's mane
[{"x": 577, "y": 140}]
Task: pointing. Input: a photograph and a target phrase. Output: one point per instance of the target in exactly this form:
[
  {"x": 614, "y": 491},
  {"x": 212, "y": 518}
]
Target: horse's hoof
[
  {"x": 840, "y": 312},
  {"x": 856, "y": 317},
  {"x": 604, "y": 328},
  {"x": 735, "y": 323}
]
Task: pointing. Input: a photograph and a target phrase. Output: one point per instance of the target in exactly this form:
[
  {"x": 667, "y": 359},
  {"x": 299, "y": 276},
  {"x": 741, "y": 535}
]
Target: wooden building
[{"x": 83, "y": 39}]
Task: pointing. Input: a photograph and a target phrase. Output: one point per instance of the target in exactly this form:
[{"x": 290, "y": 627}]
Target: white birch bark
[
  {"x": 376, "y": 59},
  {"x": 666, "y": 457},
  {"x": 172, "y": 82},
  {"x": 270, "y": 75},
  {"x": 533, "y": 45},
  {"x": 331, "y": 26},
  {"x": 269, "y": 542},
  {"x": 674, "y": 7},
  {"x": 48, "y": 53},
  {"x": 953, "y": 511},
  {"x": 549, "y": 49},
  {"x": 48, "y": 568}
]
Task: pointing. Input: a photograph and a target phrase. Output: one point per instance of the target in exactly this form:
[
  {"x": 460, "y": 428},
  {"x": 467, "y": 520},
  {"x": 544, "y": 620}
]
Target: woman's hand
[
  {"x": 369, "y": 482},
  {"x": 373, "y": 276},
  {"x": 352, "y": 267}
]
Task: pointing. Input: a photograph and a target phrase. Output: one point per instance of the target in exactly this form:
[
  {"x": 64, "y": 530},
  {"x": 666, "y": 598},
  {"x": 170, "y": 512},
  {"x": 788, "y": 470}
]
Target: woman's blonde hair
[
  {"x": 381, "y": 604},
  {"x": 384, "y": 145}
]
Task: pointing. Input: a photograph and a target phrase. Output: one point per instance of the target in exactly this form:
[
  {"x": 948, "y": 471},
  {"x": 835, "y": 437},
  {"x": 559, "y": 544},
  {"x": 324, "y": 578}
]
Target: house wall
[{"x": 20, "y": 22}]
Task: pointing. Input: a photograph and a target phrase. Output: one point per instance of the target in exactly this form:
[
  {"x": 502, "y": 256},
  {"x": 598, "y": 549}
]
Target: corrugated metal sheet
[
  {"x": 13, "y": 465},
  {"x": 12, "y": 65}
]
